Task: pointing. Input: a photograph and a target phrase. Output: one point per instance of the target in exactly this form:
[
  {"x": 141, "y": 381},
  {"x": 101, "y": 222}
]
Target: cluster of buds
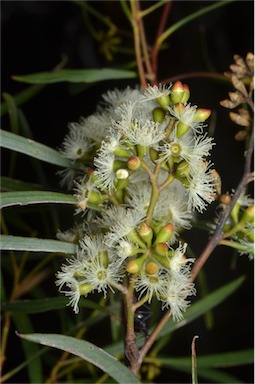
[
  {"x": 242, "y": 78},
  {"x": 238, "y": 231},
  {"x": 140, "y": 173}
]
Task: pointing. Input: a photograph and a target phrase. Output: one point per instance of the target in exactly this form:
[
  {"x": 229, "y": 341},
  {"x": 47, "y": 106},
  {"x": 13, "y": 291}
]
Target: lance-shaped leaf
[
  {"x": 88, "y": 352},
  {"x": 32, "y": 148},
  {"x": 76, "y": 76},
  {"x": 33, "y": 244},
  {"x": 35, "y": 197}
]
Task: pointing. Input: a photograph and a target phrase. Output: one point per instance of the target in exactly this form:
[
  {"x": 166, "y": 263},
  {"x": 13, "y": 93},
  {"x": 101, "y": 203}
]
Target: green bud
[
  {"x": 164, "y": 101},
  {"x": 135, "y": 238},
  {"x": 186, "y": 94},
  {"x": 151, "y": 268},
  {"x": 103, "y": 258},
  {"x": 146, "y": 233},
  {"x": 181, "y": 129},
  {"x": 235, "y": 212},
  {"x": 164, "y": 234},
  {"x": 163, "y": 260},
  {"x": 135, "y": 266},
  {"x": 118, "y": 164},
  {"x": 121, "y": 152},
  {"x": 176, "y": 92},
  {"x": 84, "y": 289},
  {"x": 158, "y": 114},
  {"x": 161, "y": 249},
  {"x": 153, "y": 154},
  {"x": 182, "y": 170},
  {"x": 248, "y": 215},
  {"x": 201, "y": 115}
]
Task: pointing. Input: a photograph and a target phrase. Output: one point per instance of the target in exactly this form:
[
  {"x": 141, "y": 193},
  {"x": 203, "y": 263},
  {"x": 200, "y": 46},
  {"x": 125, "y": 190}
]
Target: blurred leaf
[
  {"x": 76, "y": 76},
  {"x": 9, "y": 184},
  {"x": 32, "y": 148},
  {"x": 23, "y": 324},
  {"x": 47, "y": 304},
  {"x": 193, "y": 312},
  {"x": 88, "y": 352},
  {"x": 218, "y": 376},
  {"x": 18, "y": 243},
  {"x": 35, "y": 197},
  {"x": 22, "y": 97}
]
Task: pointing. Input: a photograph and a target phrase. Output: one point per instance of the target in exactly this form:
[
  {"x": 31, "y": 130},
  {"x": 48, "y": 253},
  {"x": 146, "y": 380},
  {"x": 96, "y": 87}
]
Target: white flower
[
  {"x": 91, "y": 246},
  {"x": 150, "y": 285},
  {"x": 172, "y": 208},
  {"x": 201, "y": 189},
  {"x": 177, "y": 290},
  {"x": 117, "y": 97},
  {"x": 144, "y": 132},
  {"x": 76, "y": 144},
  {"x": 155, "y": 92},
  {"x": 193, "y": 152},
  {"x": 82, "y": 193},
  {"x": 105, "y": 172},
  {"x": 122, "y": 227},
  {"x": 186, "y": 116},
  {"x": 179, "y": 262},
  {"x": 139, "y": 196}
]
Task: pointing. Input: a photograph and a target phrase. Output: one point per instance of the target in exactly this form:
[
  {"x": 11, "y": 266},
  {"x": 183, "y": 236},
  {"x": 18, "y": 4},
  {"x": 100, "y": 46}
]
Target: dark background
[{"x": 35, "y": 35}]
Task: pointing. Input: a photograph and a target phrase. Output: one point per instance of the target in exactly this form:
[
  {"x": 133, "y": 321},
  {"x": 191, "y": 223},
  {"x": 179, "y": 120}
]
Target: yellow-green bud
[
  {"x": 121, "y": 152},
  {"x": 161, "y": 249},
  {"x": 121, "y": 184},
  {"x": 182, "y": 169},
  {"x": 164, "y": 101},
  {"x": 141, "y": 150},
  {"x": 163, "y": 260},
  {"x": 181, "y": 129},
  {"x": 158, "y": 114},
  {"x": 146, "y": 233},
  {"x": 201, "y": 115},
  {"x": 133, "y": 163},
  {"x": 153, "y": 154},
  {"x": 135, "y": 238},
  {"x": 186, "y": 94},
  {"x": 135, "y": 266},
  {"x": 84, "y": 289},
  {"x": 164, "y": 234},
  {"x": 176, "y": 92},
  {"x": 103, "y": 258},
  {"x": 235, "y": 212},
  {"x": 248, "y": 215},
  {"x": 151, "y": 268},
  {"x": 118, "y": 164},
  {"x": 95, "y": 198}
]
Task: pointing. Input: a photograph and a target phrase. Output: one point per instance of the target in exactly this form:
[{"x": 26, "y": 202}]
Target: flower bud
[
  {"x": 176, "y": 92},
  {"x": 146, "y": 233},
  {"x": 248, "y": 215},
  {"x": 161, "y": 249},
  {"x": 181, "y": 129},
  {"x": 151, "y": 268},
  {"x": 201, "y": 115},
  {"x": 103, "y": 258},
  {"x": 163, "y": 260},
  {"x": 84, "y": 289},
  {"x": 225, "y": 199},
  {"x": 164, "y": 101},
  {"x": 182, "y": 169},
  {"x": 135, "y": 238},
  {"x": 235, "y": 212},
  {"x": 158, "y": 114},
  {"x": 238, "y": 119},
  {"x": 133, "y": 163},
  {"x": 121, "y": 152},
  {"x": 135, "y": 266},
  {"x": 118, "y": 164},
  {"x": 153, "y": 154},
  {"x": 164, "y": 234},
  {"x": 186, "y": 94}
]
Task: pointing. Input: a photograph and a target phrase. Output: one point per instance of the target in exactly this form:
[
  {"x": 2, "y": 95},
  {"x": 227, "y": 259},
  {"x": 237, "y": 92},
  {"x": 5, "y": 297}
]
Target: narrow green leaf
[
  {"x": 32, "y": 148},
  {"x": 47, "y": 304},
  {"x": 218, "y": 376},
  {"x": 76, "y": 76},
  {"x": 10, "y": 184},
  {"x": 34, "y": 197},
  {"x": 88, "y": 352},
  {"x": 32, "y": 244}
]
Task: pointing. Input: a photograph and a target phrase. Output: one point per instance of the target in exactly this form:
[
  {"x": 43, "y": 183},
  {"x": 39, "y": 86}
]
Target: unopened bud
[
  {"x": 186, "y": 94},
  {"x": 176, "y": 92},
  {"x": 153, "y": 154},
  {"x": 238, "y": 119},
  {"x": 241, "y": 135},
  {"x": 248, "y": 215},
  {"x": 84, "y": 289},
  {"x": 135, "y": 238},
  {"x": 158, "y": 114},
  {"x": 135, "y": 266},
  {"x": 103, "y": 258},
  {"x": 161, "y": 249},
  {"x": 146, "y": 233},
  {"x": 151, "y": 268},
  {"x": 164, "y": 234},
  {"x": 182, "y": 169},
  {"x": 201, "y": 115},
  {"x": 133, "y": 163},
  {"x": 181, "y": 129},
  {"x": 164, "y": 101},
  {"x": 225, "y": 199}
]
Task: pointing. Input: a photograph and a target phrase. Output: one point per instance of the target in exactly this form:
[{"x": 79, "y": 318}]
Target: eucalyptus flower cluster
[{"x": 140, "y": 172}]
